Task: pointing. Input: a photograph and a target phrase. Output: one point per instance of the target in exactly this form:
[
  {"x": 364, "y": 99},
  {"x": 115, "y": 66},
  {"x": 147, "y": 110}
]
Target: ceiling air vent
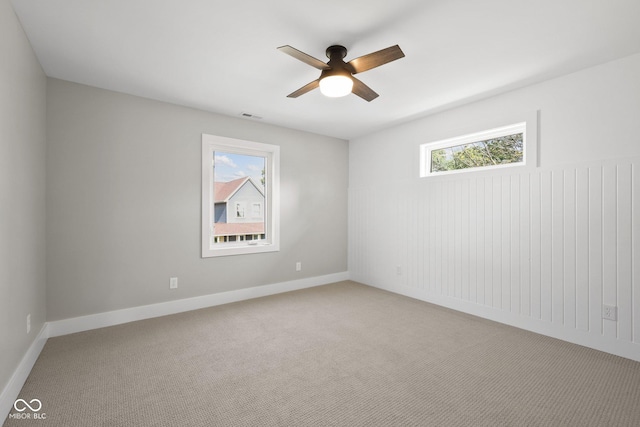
[{"x": 250, "y": 116}]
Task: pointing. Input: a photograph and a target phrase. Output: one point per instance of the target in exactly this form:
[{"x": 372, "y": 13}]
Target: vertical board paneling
[
  {"x": 546, "y": 251},
  {"x": 624, "y": 255},
  {"x": 406, "y": 212},
  {"x": 393, "y": 237},
  {"x": 423, "y": 217},
  {"x": 505, "y": 244},
  {"x": 635, "y": 233},
  {"x": 446, "y": 237},
  {"x": 408, "y": 248},
  {"x": 496, "y": 249},
  {"x": 536, "y": 245},
  {"x": 514, "y": 249},
  {"x": 488, "y": 242},
  {"x": 451, "y": 238},
  {"x": 595, "y": 249},
  {"x": 609, "y": 238},
  {"x": 419, "y": 231},
  {"x": 481, "y": 252},
  {"x": 557, "y": 246},
  {"x": 429, "y": 239},
  {"x": 548, "y": 244},
  {"x": 433, "y": 248},
  {"x": 473, "y": 241},
  {"x": 457, "y": 241},
  {"x": 397, "y": 237},
  {"x": 464, "y": 240},
  {"x": 525, "y": 244},
  {"x": 444, "y": 241},
  {"x": 569, "y": 248},
  {"x": 438, "y": 220},
  {"x": 582, "y": 249},
  {"x": 415, "y": 236}
]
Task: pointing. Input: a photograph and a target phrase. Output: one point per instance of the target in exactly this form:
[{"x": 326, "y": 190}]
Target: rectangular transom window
[
  {"x": 240, "y": 196},
  {"x": 495, "y": 148}
]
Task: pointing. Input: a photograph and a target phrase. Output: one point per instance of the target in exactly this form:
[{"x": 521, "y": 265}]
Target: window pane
[
  {"x": 240, "y": 197},
  {"x": 239, "y": 186},
  {"x": 491, "y": 152}
]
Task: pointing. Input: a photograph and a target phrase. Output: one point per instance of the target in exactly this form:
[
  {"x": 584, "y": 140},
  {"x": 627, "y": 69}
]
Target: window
[
  {"x": 240, "y": 196},
  {"x": 256, "y": 210},
  {"x": 239, "y": 210},
  {"x": 496, "y": 148}
]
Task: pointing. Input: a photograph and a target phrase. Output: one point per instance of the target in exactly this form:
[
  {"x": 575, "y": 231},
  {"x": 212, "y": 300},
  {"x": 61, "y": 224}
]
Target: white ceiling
[{"x": 221, "y": 56}]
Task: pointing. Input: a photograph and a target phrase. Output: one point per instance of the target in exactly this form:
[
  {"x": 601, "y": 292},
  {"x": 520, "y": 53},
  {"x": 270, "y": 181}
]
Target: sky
[{"x": 229, "y": 166}]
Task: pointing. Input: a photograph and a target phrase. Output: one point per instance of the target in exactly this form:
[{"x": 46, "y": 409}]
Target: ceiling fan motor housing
[
  {"x": 336, "y": 55},
  {"x": 336, "y": 51}
]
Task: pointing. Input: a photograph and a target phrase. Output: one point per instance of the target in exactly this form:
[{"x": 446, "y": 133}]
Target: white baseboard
[
  {"x": 624, "y": 349},
  {"x": 13, "y": 387},
  {"x": 116, "y": 317}
]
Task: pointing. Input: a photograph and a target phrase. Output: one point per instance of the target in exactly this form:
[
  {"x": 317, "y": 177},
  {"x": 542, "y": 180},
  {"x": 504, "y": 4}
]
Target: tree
[{"x": 495, "y": 151}]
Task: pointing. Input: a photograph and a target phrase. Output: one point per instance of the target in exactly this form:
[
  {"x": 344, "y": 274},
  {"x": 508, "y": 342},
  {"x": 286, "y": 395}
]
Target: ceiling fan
[{"x": 336, "y": 78}]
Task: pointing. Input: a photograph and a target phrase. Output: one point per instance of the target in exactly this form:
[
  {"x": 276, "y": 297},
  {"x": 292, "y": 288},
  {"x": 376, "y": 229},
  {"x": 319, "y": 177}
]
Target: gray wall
[
  {"x": 22, "y": 186},
  {"x": 123, "y": 203}
]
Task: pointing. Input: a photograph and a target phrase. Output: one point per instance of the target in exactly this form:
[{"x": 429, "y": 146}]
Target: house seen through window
[
  {"x": 240, "y": 197},
  {"x": 239, "y": 183}
]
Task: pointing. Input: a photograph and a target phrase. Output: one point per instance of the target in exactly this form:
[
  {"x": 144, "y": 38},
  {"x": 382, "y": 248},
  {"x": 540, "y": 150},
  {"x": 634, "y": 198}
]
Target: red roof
[
  {"x": 224, "y": 190},
  {"x": 237, "y": 228}
]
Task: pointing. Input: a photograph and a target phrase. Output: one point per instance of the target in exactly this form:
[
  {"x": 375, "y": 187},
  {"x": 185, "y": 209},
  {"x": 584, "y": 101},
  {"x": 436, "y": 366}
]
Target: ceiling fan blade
[
  {"x": 301, "y": 56},
  {"x": 363, "y": 91},
  {"x": 304, "y": 89},
  {"x": 376, "y": 59}
]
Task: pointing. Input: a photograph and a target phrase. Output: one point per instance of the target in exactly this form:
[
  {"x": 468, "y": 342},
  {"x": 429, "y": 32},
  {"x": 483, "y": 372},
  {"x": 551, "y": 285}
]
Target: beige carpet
[{"x": 337, "y": 355}]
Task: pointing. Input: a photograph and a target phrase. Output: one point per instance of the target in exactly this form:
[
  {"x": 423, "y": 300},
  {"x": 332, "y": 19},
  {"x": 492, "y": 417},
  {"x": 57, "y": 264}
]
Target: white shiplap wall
[{"x": 541, "y": 249}]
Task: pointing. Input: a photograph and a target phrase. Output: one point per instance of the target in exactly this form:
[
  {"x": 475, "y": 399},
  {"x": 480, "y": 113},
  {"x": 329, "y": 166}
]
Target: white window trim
[
  {"x": 527, "y": 125},
  {"x": 212, "y": 143}
]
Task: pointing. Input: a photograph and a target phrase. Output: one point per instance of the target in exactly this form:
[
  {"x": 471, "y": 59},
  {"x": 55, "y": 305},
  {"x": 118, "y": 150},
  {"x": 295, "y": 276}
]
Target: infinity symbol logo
[{"x": 26, "y": 405}]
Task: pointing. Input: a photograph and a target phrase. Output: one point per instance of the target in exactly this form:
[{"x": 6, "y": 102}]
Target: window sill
[{"x": 225, "y": 249}]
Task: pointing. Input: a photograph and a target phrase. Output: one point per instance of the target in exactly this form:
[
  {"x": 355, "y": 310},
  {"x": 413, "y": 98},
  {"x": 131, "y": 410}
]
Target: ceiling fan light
[{"x": 336, "y": 86}]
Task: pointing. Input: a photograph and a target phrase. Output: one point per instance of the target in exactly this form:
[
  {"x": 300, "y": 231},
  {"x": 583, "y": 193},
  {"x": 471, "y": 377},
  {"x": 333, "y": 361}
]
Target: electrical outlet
[
  {"x": 28, "y": 322},
  {"x": 610, "y": 312},
  {"x": 298, "y": 266},
  {"x": 173, "y": 283},
  {"x": 398, "y": 270}
]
